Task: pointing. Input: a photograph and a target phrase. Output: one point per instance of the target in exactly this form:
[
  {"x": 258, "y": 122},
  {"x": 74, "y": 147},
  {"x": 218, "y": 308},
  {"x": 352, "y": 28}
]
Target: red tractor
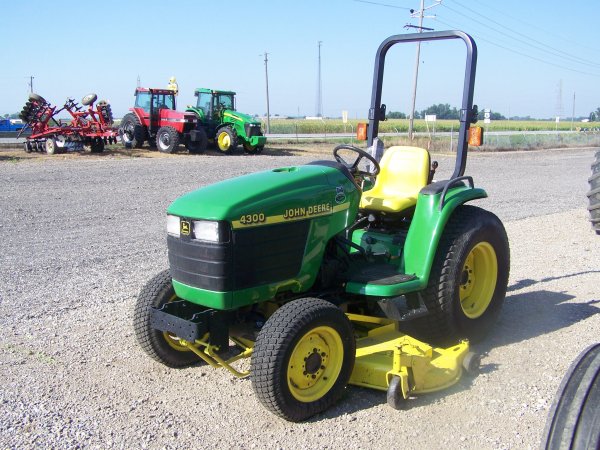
[{"x": 154, "y": 119}]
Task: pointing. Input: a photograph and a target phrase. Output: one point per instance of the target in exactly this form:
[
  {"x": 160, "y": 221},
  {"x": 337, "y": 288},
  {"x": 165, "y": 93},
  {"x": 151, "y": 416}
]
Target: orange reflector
[
  {"x": 475, "y": 136},
  {"x": 361, "y": 131}
]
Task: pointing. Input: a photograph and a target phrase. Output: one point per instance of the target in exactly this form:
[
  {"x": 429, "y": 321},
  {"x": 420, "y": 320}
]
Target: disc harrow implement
[{"x": 90, "y": 126}]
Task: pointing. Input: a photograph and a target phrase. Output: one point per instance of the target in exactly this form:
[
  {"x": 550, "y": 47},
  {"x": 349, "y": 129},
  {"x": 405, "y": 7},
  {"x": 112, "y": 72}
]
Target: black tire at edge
[{"x": 574, "y": 418}]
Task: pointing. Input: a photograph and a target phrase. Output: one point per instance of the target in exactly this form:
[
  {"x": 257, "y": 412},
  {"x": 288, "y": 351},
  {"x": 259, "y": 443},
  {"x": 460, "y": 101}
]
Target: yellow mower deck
[{"x": 386, "y": 359}]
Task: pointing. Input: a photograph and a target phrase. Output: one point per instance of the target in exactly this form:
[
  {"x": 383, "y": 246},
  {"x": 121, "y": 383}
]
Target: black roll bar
[{"x": 376, "y": 113}]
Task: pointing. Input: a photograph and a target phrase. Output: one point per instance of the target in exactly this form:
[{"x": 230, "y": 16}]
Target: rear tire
[
  {"x": 594, "y": 194},
  {"x": 468, "y": 279},
  {"x": 226, "y": 140},
  {"x": 303, "y": 358},
  {"x": 574, "y": 418},
  {"x": 160, "y": 346},
  {"x": 131, "y": 131},
  {"x": 167, "y": 139}
]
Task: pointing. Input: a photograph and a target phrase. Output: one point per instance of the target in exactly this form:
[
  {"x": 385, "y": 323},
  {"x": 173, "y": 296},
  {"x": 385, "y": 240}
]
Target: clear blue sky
[{"x": 529, "y": 52}]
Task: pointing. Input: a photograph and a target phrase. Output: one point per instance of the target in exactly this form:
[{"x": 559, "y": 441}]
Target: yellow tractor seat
[{"x": 404, "y": 172}]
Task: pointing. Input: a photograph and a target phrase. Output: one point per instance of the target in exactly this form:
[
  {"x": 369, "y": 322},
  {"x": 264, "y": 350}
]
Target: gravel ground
[{"x": 80, "y": 236}]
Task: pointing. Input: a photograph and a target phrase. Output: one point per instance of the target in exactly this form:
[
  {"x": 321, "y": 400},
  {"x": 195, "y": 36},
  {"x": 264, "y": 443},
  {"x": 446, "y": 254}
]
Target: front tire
[
  {"x": 198, "y": 146},
  {"x": 167, "y": 139},
  {"x": 226, "y": 140},
  {"x": 303, "y": 358},
  {"x": 131, "y": 131},
  {"x": 468, "y": 279},
  {"x": 253, "y": 149},
  {"x": 160, "y": 346}
]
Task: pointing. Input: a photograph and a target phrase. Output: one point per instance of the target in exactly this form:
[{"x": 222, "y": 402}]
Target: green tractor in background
[
  {"x": 226, "y": 126},
  {"x": 317, "y": 280}
]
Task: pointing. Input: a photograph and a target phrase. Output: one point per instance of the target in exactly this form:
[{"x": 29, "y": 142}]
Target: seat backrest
[{"x": 403, "y": 170}]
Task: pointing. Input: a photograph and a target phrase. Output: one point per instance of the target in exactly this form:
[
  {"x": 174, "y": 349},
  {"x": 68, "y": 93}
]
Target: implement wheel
[
  {"x": 468, "y": 279},
  {"x": 226, "y": 140},
  {"x": 50, "y": 146},
  {"x": 97, "y": 145},
  {"x": 160, "y": 346},
  {"x": 303, "y": 358},
  {"x": 574, "y": 418}
]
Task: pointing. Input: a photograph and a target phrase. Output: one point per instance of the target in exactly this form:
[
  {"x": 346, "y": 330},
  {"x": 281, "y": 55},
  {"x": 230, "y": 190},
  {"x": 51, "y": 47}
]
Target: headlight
[
  {"x": 206, "y": 231},
  {"x": 201, "y": 230},
  {"x": 173, "y": 225}
]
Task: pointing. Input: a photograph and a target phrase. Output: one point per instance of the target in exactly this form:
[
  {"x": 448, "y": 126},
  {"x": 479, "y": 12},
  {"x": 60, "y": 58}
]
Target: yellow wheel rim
[
  {"x": 478, "y": 280},
  {"x": 315, "y": 364},
  {"x": 223, "y": 141},
  {"x": 171, "y": 339}
]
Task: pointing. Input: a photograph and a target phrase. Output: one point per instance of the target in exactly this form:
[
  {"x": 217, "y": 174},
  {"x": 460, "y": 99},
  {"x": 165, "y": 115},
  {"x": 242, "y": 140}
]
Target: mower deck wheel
[
  {"x": 395, "y": 397},
  {"x": 472, "y": 363}
]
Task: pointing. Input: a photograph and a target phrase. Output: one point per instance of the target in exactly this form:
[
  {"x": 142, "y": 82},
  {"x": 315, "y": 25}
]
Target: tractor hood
[
  {"x": 235, "y": 116},
  {"x": 273, "y": 196}
]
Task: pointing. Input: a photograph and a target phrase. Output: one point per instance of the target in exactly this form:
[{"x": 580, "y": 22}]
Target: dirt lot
[{"x": 82, "y": 233}]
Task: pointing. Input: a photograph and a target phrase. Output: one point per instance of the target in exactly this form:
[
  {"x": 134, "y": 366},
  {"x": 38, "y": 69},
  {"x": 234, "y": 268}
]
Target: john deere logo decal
[{"x": 185, "y": 228}]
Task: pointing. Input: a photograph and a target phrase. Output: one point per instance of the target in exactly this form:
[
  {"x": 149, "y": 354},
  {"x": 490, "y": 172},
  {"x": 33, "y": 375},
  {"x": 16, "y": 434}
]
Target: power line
[
  {"x": 553, "y": 51},
  {"x": 512, "y": 50},
  {"x": 533, "y": 25},
  {"x": 383, "y": 4}
]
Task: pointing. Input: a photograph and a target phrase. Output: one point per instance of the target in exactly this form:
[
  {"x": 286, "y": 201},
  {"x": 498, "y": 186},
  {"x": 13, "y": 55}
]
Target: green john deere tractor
[
  {"x": 226, "y": 126},
  {"x": 318, "y": 281}
]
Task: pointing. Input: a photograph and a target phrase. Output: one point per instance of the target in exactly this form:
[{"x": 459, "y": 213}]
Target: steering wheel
[{"x": 354, "y": 170}]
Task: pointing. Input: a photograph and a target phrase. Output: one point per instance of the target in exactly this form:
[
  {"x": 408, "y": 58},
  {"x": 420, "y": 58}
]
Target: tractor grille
[
  {"x": 252, "y": 129},
  {"x": 253, "y": 257}
]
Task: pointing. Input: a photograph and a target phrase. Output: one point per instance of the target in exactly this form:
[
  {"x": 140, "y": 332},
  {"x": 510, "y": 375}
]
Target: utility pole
[
  {"x": 138, "y": 81},
  {"x": 267, "y": 84},
  {"x": 31, "y": 77},
  {"x": 573, "y": 113},
  {"x": 420, "y": 14},
  {"x": 319, "y": 86}
]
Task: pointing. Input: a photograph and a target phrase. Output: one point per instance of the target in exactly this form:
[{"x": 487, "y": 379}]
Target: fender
[{"x": 435, "y": 205}]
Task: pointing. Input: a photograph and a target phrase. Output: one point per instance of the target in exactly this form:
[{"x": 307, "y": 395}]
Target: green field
[{"x": 301, "y": 126}]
